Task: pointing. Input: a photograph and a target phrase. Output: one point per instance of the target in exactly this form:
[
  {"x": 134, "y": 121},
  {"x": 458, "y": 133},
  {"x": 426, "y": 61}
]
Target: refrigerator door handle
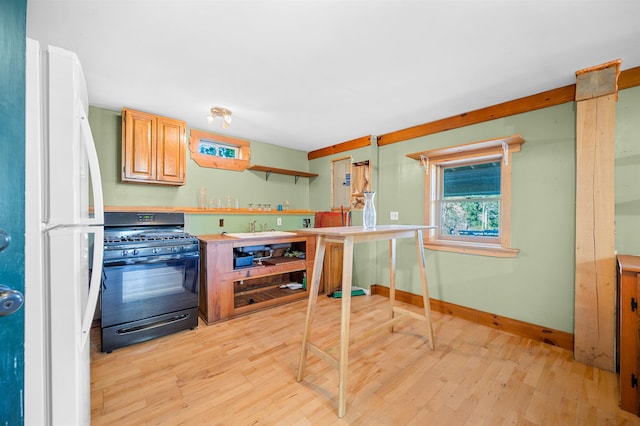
[
  {"x": 94, "y": 168},
  {"x": 94, "y": 285}
]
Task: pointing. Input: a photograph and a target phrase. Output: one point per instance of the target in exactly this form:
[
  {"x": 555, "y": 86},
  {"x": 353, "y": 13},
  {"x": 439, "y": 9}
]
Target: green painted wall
[
  {"x": 199, "y": 224},
  {"x": 320, "y": 188},
  {"x": 537, "y": 286},
  {"x": 628, "y": 172},
  {"x": 543, "y": 212},
  {"x": 248, "y": 186}
]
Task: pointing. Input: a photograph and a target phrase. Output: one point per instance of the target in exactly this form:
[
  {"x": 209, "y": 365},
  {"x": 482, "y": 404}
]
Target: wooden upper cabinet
[
  {"x": 153, "y": 149},
  {"x": 171, "y": 148},
  {"x": 138, "y": 146}
]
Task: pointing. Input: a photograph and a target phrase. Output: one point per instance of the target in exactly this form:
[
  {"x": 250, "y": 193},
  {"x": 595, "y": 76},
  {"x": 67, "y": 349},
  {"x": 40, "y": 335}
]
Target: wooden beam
[
  {"x": 629, "y": 78},
  {"x": 518, "y": 106},
  {"x": 595, "y": 272},
  {"x": 341, "y": 147}
]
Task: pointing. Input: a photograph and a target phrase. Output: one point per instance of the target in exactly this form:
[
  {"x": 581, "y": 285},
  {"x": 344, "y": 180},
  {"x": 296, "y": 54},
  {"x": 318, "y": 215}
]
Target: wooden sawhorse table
[{"x": 348, "y": 236}]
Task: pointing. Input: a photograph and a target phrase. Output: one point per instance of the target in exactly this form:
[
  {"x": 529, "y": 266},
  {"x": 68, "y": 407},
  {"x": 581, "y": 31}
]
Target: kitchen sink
[{"x": 266, "y": 234}]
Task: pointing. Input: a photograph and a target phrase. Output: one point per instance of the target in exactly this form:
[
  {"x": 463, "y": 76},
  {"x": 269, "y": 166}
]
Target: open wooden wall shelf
[
  {"x": 268, "y": 170},
  {"x": 196, "y": 210}
]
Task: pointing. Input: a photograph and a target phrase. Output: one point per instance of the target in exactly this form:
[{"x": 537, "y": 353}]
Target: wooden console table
[
  {"x": 227, "y": 291},
  {"x": 348, "y": 236}
]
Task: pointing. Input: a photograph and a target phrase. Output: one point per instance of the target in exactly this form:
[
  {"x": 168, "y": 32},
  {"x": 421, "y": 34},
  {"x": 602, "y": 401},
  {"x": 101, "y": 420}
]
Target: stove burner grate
[{"x": 144, "y": 237}]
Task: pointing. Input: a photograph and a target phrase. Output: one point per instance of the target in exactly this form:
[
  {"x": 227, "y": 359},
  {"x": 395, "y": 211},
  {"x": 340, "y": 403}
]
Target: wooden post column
[{"x": 595, "y": 277}]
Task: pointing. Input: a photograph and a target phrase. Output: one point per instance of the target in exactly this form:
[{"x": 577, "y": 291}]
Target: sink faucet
[
  {"x": 252, "y": 226},
  {"x": 265, "y": 227}
]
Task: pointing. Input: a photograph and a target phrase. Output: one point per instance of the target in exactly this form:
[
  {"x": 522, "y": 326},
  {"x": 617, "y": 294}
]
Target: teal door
[{"x": 13, "y": 15}]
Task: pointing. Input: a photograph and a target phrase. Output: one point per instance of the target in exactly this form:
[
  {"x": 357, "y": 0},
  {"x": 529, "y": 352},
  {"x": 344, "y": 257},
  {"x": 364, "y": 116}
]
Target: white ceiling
[{"x": 310, "y": 74}]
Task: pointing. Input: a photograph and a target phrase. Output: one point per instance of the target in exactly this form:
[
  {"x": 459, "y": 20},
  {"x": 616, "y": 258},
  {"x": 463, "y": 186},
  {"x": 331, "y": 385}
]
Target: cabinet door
[
  {"x": 340, "y": 183},
  {"x": 138, "y": 146},
  {"x": 171, "y": 149},
  {"x": 331, "y": 279},
  {"x": 627, "y": 342}
]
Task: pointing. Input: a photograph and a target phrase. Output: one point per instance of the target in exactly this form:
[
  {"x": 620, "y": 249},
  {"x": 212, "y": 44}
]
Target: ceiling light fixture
[{"x": 223, "y": 113}]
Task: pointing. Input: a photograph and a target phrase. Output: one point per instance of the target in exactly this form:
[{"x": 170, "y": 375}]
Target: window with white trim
[{"x": 468, "y": 197}]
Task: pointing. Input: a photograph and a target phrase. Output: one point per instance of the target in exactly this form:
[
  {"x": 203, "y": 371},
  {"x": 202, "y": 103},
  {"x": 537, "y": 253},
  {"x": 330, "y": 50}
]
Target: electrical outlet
[
  {"x": 393, "y": 216},
  {"x": 279, "y": 221},
  {"x": 221, "y": 222}
]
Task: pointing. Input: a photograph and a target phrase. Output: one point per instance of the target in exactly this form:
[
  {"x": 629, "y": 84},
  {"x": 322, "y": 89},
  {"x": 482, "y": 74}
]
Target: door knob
[
  {"x": 10, "y": 300},
  {"x": 5, "y": 239}
]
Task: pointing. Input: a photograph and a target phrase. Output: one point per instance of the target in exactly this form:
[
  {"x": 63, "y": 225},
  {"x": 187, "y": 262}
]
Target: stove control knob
[
  {"x": 155, "y": 250},
  {"x": 125, "y": 252},
  {"x": 135, "y": 252},
  {"x": 174, "y": 249}
]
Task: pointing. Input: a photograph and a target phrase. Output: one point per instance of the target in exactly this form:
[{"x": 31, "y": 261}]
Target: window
[
  {"x": 468, "y": 197},
  {"x": 468, "y": 201},
  {"x": 219, "y": 151}
]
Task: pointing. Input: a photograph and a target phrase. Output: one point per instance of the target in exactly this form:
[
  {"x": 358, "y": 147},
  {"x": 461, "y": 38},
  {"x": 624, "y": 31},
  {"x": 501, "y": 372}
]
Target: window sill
[{"x": 477, "y": 249}]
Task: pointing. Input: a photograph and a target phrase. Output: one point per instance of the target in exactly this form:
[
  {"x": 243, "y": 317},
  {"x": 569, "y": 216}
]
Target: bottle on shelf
[{"x": 202, "y": 198}]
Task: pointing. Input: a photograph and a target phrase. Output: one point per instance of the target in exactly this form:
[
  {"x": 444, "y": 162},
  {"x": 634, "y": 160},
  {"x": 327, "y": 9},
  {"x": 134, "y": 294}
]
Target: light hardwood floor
[{"x": 242, "y": 372}]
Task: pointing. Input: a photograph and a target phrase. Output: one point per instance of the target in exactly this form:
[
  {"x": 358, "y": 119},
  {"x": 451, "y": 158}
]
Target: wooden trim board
[
  {"x": 538, "y": 333},
  {"x": 595, "y": 276},
  {"x": 341, "y": 147},
  {"x": 629, "y": 78},
  {"x": 505, "y": 109}
]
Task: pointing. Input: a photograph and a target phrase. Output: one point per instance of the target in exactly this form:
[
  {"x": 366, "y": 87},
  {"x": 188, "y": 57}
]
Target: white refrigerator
[{"x": 63, "y": 266}]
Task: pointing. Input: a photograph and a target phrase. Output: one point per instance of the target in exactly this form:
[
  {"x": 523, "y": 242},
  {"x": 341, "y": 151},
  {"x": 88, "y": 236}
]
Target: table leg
[
  {"x": 425, "y": 288},
  {"x": 392, "y": 279},
  {"x": 347, "y": 267},
  {"x": 313, "y": 298}
]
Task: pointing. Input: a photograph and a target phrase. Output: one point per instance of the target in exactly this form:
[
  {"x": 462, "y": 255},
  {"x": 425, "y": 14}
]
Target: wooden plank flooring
[{"x": 242, "y": 372}]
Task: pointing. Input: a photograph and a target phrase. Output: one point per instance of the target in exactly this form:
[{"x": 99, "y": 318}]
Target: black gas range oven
[{"x": 150, "y": 278}]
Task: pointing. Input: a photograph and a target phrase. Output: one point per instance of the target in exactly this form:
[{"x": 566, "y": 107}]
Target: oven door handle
[{"x": 139, "y": 328}]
